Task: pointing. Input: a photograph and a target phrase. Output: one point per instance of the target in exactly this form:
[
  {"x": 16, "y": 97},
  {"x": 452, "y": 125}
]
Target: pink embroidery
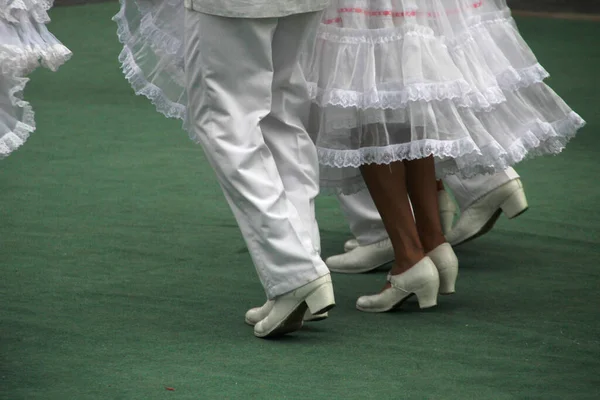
[{"x": 393, "y": 14}]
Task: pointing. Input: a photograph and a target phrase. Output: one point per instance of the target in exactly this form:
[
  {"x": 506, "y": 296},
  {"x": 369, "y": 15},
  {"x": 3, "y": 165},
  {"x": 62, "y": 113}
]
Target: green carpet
[{"x": 122, "y": 271}]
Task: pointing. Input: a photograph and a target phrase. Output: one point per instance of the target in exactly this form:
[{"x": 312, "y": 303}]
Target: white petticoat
[
  {"x": 25, "y": 44},
  {"x": 391, "y": 80},
  {"x": 152, "y": 59},
  {"x": 400, "y": 80}
]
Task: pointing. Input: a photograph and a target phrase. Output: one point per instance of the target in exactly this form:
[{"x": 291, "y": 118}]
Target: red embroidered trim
[{"x": 393, "y": 14}]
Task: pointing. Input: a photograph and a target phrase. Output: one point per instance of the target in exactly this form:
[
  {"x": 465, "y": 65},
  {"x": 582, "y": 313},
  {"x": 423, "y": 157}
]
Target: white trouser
[
  {"x": 248, "y": 106},
  {"x": 365, "y": 222}
]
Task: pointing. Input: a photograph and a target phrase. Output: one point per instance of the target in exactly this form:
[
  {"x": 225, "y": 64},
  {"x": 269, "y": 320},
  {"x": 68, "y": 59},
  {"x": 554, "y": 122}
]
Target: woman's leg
[
  {"x": 387, "y": 184},
  {"x": 423, "y": 191}
]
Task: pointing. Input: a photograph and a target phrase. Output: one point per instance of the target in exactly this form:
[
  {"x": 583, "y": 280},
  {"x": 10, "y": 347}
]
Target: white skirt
[
  {"x": 390, "y": 80},
  {"x": 400, "y": 80},
  {"x": 25, "y": 44},
  {"x": 152, "y": 58}
]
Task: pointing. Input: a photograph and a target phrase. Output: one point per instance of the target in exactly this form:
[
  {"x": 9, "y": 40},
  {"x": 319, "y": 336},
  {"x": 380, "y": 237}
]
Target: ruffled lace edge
[
  {"x": 21, "y": 61},
  {"x": 554, "y": 140},
  {"x": 141, "y": 86},
  {"x": 459, "y": 91},
  {"x": 134, "y": 74},
  {"x": 11, "y": 141},
  {"x": 541, "y": 138},
  {"x": 37, "y": 9},
  {"x": 160, "y": 41}
]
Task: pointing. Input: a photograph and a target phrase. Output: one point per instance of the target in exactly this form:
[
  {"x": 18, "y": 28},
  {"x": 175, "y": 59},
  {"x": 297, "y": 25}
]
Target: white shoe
[
  {"x": 447, "y": 265},
  {"x": 447, "y": 209},
  {"x": 256, "y": 314},
  {"x": 288, "y": 310},
  {"x": 362, "y": 258},
  {"x": 350, "y": 244},
  {"x": 480, "y": 217},
  {"x": 422, "y": 280}
]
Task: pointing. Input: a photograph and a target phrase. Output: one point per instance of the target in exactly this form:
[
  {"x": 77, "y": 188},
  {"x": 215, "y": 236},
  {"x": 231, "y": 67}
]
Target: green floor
[{"x": 122, "y": 271}]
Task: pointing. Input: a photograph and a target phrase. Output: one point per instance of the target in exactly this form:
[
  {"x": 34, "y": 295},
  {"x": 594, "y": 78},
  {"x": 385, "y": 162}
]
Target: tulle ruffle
[
  {"x": 16, "y": 115},
  {"x": 399, "y": 80},
  {"x": 390, "y": 80},
  {"x": 25, "y": 44},
  {"x": 152, "y": 58}
]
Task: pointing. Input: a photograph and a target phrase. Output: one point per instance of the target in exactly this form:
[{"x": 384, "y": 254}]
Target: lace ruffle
[
  {"x": 340, "y": 173},
  {"x": 25, "y": 44},
  {"x": 471, "y": 63},
  {"x": 15, "y": 138},
  {"x": 38, "y": 9},
  {"x": 142, "y": 87},
  {"x": 466, "y": 82},
  {"x": 541, "y": 138},
  {"x": 143, "y": 40}
]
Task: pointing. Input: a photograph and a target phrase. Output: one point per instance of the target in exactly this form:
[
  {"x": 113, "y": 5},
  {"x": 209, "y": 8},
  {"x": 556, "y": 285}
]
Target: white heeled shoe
[
  {"x": 255, "y": 315},
  {"x": 481, "y": 216},
  {"x": 288, "y": 310},
  {"x": 447, "y": 209},
  {"x": 422, "y": 280},
  {"x": 447, "y": 265},
  {"x": 362, "y": 258}
]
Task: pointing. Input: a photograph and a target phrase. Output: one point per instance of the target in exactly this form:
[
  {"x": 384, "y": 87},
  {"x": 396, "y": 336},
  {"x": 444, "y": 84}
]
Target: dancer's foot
[
  {"x": 255, "y": 315},
  {"x": 447, "y": 265},
  {"x": 288, "y": 310},
  {"x": 421, "y": 279},
  {"x": 362, "y": 258},
  {"x": 481, "y": 216}
]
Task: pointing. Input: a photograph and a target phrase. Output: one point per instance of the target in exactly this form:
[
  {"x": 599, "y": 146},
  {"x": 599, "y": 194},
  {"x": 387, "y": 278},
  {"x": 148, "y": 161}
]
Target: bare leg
[
  {"x": 387, "y": 185},
  {"x": 423, "y": 191}
]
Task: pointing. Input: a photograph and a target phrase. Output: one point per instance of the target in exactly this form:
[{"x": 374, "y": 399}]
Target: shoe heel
[
  {"x": 515, "y": 205},
  {"x": 427, "y": 295},
  {"x": 321, "y": 299},
  {"x": 448, "y": 281}
]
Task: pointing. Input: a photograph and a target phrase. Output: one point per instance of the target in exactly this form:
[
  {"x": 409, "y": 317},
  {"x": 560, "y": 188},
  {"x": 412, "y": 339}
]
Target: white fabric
[
  {"x": 364, "y": 219},
  {"x": 468, "y": 191},
  {"x": 451, "y": 78},
  {"x": 249, "y": 117},
  {"x": 399, "y": 79},
  {"x": 25, "y": 44},
  {"x": 255, "y": 8}
]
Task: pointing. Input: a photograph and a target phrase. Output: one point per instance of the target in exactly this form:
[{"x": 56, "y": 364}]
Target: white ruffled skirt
[
  {"x": 25, "y": 44},
  {"x": 390, "y": 80},
  {"x": 152, "y": 58},
  {"x": 400, "y": 80}
]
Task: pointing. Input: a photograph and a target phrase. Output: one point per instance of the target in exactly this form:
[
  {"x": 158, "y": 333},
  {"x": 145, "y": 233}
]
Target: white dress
[
  {"x": 25, "y": 44},
  {"x": 390, "y": 80}
]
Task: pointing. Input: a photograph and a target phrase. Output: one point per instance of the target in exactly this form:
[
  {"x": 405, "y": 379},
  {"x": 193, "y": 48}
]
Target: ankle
[
  {"x": 431, "y": 241},
  {"x": 405, "y": 263}
]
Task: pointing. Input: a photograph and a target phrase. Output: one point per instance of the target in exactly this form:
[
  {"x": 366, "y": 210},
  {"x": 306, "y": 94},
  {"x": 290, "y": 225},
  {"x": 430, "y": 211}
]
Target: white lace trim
[
  {"x": 540, "y": 138},
  {"x": 11, "y": 141},
  {"x": 460, "y": 92},
  {"x": 141, "y": 86},
  {"x": 21, "y": 61},
  {"x": 160, "y": 41},
  {"x": 38, "y": 9},
  {"x": 392, "y": 95}
]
